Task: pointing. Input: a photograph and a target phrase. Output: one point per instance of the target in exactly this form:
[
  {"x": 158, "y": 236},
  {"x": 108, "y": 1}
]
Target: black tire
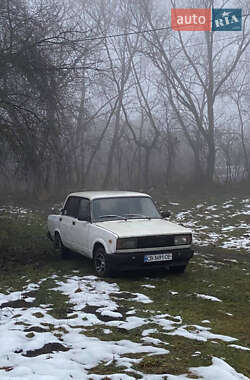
[
  {"x": 102, "y": 267},
  {"x": 65, "y": 252},
  {"x": 179, "y": 269}
]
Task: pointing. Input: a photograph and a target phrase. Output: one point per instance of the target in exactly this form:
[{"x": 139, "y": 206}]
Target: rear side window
[{"x": 72, "y": 206}]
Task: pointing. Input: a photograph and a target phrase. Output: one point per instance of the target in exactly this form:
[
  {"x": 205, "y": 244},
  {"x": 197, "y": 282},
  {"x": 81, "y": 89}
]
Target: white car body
[{"x": 83, "y": 236}]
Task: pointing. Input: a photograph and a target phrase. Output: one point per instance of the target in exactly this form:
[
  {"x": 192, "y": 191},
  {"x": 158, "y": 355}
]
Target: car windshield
[{"x": 124, "y": 208}]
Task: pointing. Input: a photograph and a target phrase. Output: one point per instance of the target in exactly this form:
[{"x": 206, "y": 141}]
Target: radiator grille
[{"x": 155, "y": 241}]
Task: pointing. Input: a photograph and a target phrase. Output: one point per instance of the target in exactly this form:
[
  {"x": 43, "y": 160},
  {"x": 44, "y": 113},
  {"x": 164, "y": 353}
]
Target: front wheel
[{"x": 101, "y": 265}]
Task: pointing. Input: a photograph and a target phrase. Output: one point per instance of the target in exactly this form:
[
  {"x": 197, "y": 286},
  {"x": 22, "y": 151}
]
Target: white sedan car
[{"x": 120, "y": 230}]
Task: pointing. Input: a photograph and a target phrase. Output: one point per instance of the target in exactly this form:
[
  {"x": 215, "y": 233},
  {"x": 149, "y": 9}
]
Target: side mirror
[{"x": 165, "y": 214}]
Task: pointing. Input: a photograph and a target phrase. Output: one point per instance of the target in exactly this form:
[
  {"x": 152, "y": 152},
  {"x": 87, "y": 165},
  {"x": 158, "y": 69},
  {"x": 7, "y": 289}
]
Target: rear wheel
[
  {"x": 65, "y": 252},
  {"x": 101, "y": 265},
  {"x": 179, "y": 269}
]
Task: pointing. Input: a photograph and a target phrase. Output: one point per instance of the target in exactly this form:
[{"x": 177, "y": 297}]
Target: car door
[
  {"x": 67, "y": 221},
  {"x": 80, "y": 228}
]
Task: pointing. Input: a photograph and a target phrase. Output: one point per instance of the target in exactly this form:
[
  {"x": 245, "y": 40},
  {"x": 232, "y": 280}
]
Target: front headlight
[
  {"x": 127, "y": 243},
  {"x": 183, "y": 239}
]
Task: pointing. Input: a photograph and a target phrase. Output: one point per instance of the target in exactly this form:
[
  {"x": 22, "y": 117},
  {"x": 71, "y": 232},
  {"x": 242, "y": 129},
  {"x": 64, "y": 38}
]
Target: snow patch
[{"x": 210, "y": 298}]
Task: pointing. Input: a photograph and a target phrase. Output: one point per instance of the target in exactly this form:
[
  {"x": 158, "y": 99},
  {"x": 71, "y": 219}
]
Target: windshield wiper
[
  {"x": 138, "y": 215},
  {"x": 112, "y": 216}
]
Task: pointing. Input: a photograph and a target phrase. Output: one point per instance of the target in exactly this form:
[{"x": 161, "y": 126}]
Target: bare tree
[{"x": 196, "y": 83}]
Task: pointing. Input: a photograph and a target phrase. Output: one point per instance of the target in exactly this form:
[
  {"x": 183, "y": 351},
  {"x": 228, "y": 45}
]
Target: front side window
[
  {"x": 124, "y": 208},
  {"x": 84, "y": 210}
]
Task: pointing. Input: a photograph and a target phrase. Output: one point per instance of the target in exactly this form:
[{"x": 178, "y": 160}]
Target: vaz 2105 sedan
[{"x": 120, "y": 230}]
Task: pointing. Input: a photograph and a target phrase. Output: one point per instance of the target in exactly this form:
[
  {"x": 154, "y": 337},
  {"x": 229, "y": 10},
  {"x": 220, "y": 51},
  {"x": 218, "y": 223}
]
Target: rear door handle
[
  {"x": 60, "y": 219},
  {"x": 74, "y": 223}
]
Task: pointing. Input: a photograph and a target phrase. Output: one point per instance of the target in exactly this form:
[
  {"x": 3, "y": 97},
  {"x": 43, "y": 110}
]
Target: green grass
[{"x": 23, "y": 241}]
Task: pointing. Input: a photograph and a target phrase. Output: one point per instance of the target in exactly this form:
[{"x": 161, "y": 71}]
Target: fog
[{"x": 104, "y": 94}]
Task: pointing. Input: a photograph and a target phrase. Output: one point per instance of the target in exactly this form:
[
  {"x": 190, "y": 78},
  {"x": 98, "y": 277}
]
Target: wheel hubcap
[{"x": 100, "y": 263}]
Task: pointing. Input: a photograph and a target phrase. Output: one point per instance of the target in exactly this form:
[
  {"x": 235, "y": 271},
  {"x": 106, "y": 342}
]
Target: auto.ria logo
[{"x": 206, "y": 19}]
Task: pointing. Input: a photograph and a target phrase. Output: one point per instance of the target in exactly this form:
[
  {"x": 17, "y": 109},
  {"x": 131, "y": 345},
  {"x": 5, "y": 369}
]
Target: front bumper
[{"x": 128, "y": 261}]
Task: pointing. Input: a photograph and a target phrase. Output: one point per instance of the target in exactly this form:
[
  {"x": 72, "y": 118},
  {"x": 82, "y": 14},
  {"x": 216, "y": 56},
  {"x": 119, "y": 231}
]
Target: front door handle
[
  {"x": 60, "y": 219},
  {"x": 74, "y": 223}
]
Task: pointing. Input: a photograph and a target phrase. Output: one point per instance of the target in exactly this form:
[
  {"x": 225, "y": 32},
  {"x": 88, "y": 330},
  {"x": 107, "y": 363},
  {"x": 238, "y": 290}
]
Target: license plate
[{"x": 157, "y": 257}]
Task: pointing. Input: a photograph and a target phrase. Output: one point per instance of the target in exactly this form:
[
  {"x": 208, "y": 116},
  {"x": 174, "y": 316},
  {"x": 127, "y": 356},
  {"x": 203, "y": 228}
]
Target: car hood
[{"x": 139, "y": 227}]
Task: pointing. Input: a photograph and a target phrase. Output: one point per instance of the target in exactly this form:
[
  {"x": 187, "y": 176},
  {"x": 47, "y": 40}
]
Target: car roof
[{"x": 107, "y": 194}]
